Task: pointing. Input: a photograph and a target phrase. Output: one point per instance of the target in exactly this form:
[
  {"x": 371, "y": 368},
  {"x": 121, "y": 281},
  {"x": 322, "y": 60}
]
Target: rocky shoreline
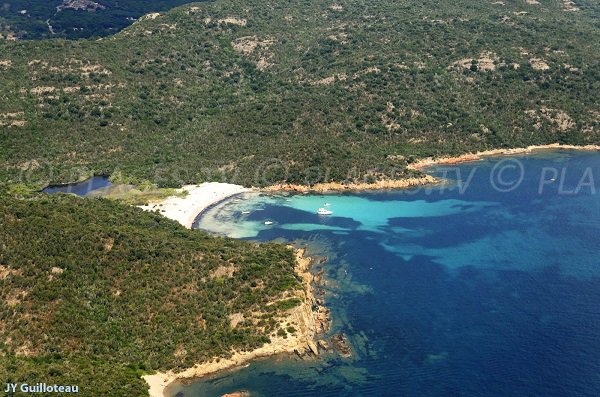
[
  {"x": 339, "y": 187},
  {"x": 310, "y": 319},
  {"x": 467, "y": 157}
]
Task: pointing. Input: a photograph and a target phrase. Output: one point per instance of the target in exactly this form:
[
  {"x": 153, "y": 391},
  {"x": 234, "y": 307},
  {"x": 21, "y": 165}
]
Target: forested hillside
[
  {"x": 258, "y": 91},
  {"x": 94, "y": 294},
  {"x": 73, "y": 19}
]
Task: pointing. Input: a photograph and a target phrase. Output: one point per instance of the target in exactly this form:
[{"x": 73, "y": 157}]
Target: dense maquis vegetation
[
  {"x": 95, "y": 293},
  {"x": 259, "y": 91},
  {"x": 74, "y": 19},
  {"x": 246, "y": 91}
]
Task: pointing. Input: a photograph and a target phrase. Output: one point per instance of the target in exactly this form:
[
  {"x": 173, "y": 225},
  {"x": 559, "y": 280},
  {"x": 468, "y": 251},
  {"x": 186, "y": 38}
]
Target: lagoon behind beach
[{"x": 479, "y": 288}]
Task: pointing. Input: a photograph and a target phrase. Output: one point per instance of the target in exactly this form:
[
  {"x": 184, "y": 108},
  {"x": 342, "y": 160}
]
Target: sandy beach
[
  {"x": 199, "y": 197},
  {"x": 308, "y": 323},
  {"x": 430, "y": 161}
]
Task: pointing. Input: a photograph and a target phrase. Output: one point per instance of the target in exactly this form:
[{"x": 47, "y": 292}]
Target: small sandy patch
[
  {"x": 389, "y": 123},
  {"x": 336, "y": 7},
  {"x": 569, "y": 5},
  {"x": 68, "y": 65},
  {"x": 6, "y": 271},
  {"x": 532, "y": 2},
  {"x": 538, "y": 64},
  {"x": 15, "y": 297},
  {"x": 233, "y": 21},
  {"x": 371, "y": 69},
  {"x": 14, "y": 119},
  {"x": 193, "y": 10},
  {"x": 42, "y": 90},
  {"x": 330, "y": 80},
  {"x": 13, "y": 115},
  {"x": 339, "y": 37},
  {"x": 13, "y": 123},
  {"x": 558, "y": 118},
  {"x": 325, "y": 81},
  {"x": 223, "y": 271},
  {"x": 486, "y": 62},
  {"x": 246, "y": 45},
  {"x": 151, "y": 16},
  {"x": 5, "y": 63},
  {"x": 235, "y": 319},
  {"x": 108, "y": 244},
  {"x": 262, "y": 64},
  {"x": 570, "y": 68},
  {"x": 26, "y": 350}
]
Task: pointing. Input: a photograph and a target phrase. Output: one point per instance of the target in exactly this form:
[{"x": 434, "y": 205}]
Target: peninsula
[{"x": 308, "y": 319}]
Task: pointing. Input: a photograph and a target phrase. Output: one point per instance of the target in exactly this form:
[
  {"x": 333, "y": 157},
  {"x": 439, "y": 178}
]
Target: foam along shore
[
  {"x": 199, "y": 197},
  {"x": 463, "y": 158},
  {"x": 403, "y": 183},
  {"x": 308, "y": 322}
]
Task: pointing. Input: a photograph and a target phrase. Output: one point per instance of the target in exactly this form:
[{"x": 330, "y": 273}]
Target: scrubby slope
[
  {"x": 258, "y": 91},
  {"x": 93, "y": 293}
]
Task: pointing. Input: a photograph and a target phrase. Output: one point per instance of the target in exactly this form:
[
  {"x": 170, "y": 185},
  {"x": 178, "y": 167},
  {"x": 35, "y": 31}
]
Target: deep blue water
[
  {"x": 449, "y": 291},
  {"x": 81, "y": 188}
]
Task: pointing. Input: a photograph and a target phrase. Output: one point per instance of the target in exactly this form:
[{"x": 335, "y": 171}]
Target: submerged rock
[
  {"x": 237, "y": 394},
  {"x": 340, "y": 343}
]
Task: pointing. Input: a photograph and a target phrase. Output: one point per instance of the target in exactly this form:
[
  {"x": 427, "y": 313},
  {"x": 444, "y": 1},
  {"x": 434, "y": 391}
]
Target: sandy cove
[
  {"x": 463, "y": 158},
  {"x": 308, "y": 324},
  {"x": 199, "y": 197}
]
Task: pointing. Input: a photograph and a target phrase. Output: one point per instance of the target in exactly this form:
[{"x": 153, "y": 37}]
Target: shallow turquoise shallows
[{"x": 486, "y": 286}]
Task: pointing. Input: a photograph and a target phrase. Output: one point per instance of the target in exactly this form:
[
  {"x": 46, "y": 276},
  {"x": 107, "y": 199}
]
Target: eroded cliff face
[{"x": 309, "y": 319}]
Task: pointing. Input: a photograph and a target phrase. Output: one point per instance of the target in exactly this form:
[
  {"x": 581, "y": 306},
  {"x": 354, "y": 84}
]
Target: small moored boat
[
  {"x": 323, "y": 211},
  {"x": 268, "y": 223}
]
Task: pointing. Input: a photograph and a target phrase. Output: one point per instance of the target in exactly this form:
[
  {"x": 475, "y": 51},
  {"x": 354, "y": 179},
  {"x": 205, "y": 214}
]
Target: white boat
[
  {"x": 326, "y": 205},
  {"x": 268, "y": 223},
  {"x": 245, "y": 212},
  {"x": 323, "y": 211}
]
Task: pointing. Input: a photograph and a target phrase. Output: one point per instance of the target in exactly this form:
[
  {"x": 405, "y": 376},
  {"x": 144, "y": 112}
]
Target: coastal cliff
[{"x": 309, "y": 319}]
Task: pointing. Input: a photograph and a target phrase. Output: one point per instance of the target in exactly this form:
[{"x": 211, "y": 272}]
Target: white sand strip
[{"x": 185, "y": 209}]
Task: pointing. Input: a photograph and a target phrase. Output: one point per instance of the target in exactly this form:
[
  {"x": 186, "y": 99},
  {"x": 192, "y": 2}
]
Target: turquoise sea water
[{"x": 485, "y": 286}]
